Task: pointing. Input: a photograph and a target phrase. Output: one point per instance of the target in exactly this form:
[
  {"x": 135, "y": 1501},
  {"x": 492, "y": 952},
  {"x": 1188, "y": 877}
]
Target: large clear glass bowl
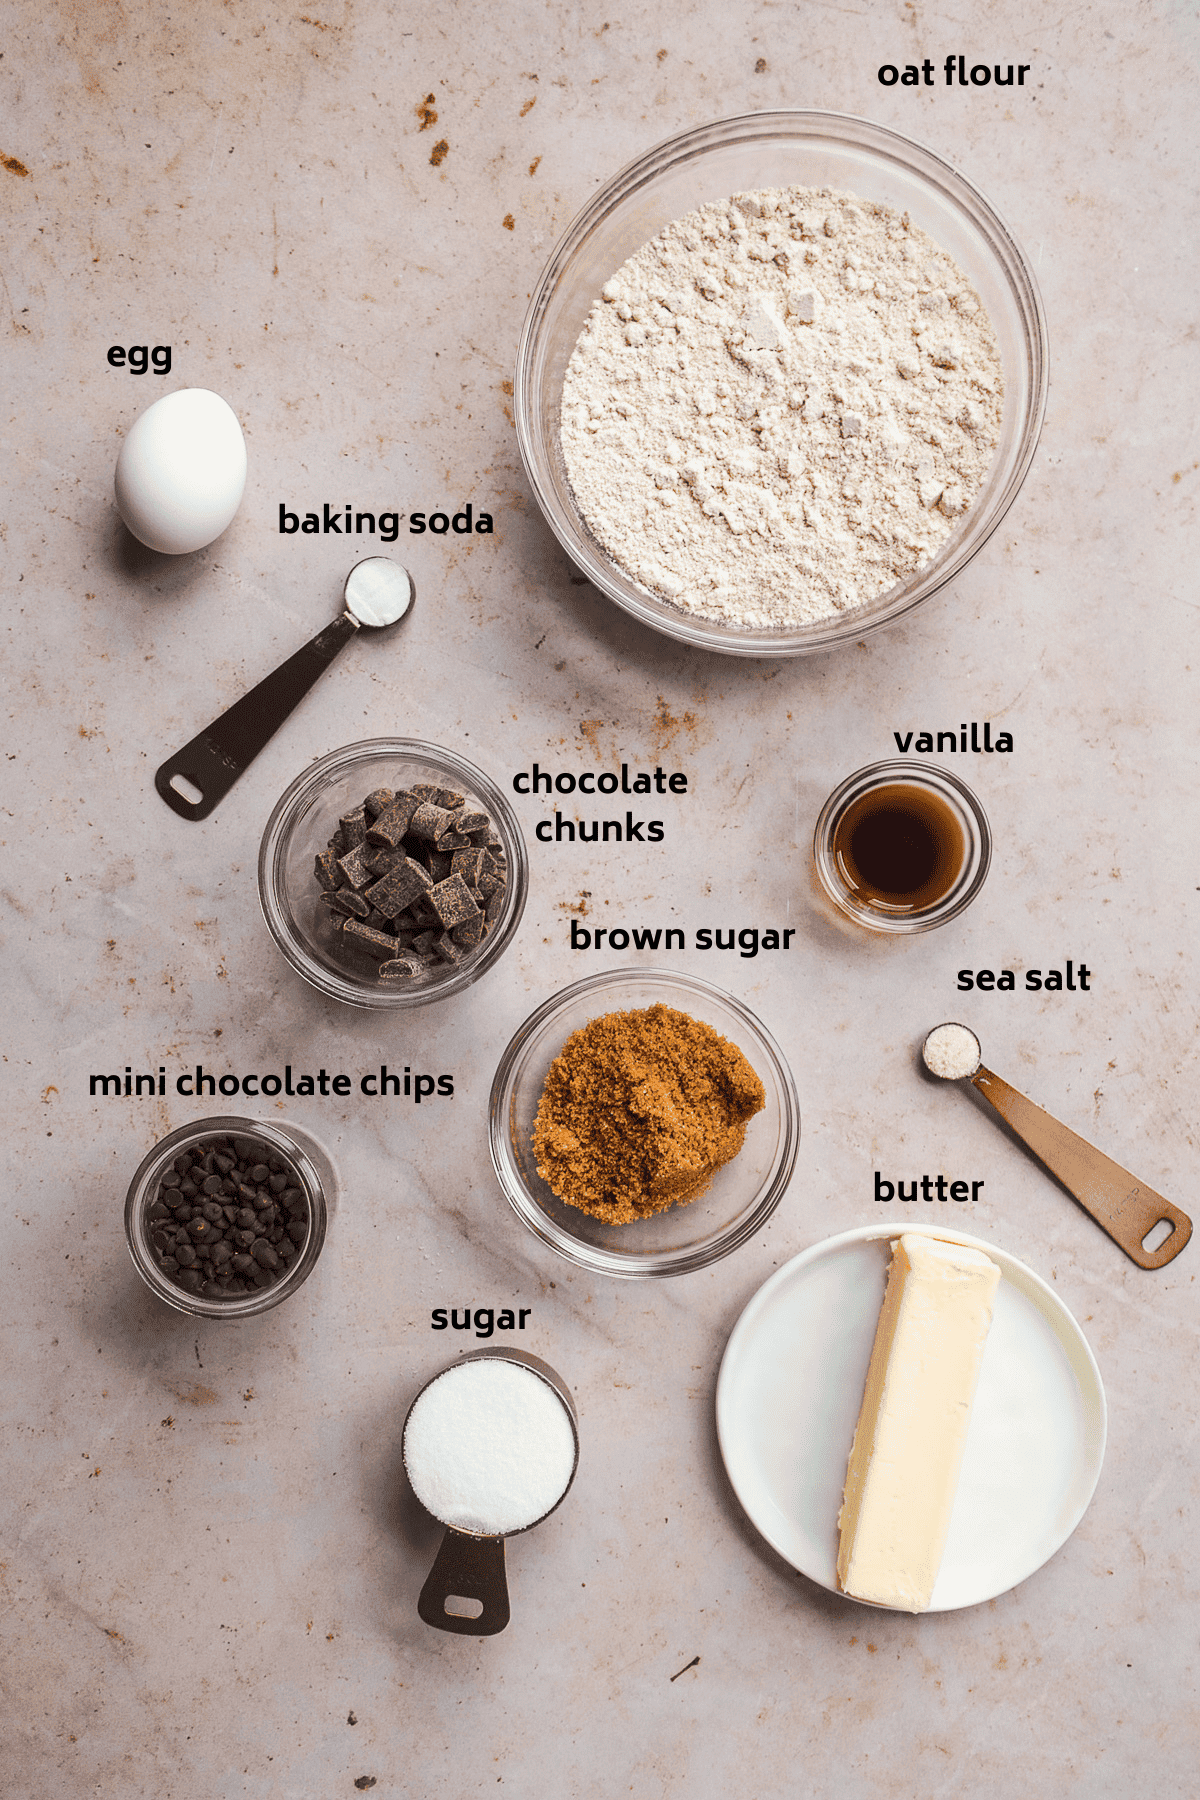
[
  {"x": 779, "y": 149},
  {"x": 741, "y": 1196},
  {"x": 305, "y": 817}
]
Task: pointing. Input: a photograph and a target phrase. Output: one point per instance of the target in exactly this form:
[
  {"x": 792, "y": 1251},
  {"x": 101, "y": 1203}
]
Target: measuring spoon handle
[
  {"x": 215, "y": 758},
  {"x": 467, "y": 1568},
  {"x": 1120, "y": 1204}
]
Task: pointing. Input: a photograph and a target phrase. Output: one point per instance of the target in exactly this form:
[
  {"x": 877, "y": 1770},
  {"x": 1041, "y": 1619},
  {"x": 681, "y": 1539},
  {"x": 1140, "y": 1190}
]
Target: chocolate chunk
[
  {"x": 346, "y": 901},
  {"x": 468, "y": 864},
  {"x": 381, "y": 859},
  {"x": 430, "y": 822},
  {"x": 469, "y": 933},
  {"x": 446, "y": 949},
  {"x": 378, "y": 801},
  {"x": 401, "y": 968},
  {"x": 452, "y": 902},
  {"x": 355, "y": 868},
  {"x": 353, "y": 827},
  {"x": 379, "y": 944},
  {"x": 398, "y": 888},
  {"x": 326, "y": 870},
  {"x": 394, "y": 822}
]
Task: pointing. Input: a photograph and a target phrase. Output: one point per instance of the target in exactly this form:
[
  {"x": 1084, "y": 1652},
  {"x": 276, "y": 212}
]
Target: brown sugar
[{"x": 639, "y": 1111}]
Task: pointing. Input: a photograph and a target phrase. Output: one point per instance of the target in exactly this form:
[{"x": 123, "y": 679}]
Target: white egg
[{"x": 182, "y": 471}]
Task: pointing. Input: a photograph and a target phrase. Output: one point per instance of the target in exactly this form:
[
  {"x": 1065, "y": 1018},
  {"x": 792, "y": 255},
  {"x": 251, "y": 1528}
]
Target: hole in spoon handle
[
  {"x": 467, "y": 1568},
  {"x": 215, "y": 758},
  {"x": 1120, "y": 1204}
]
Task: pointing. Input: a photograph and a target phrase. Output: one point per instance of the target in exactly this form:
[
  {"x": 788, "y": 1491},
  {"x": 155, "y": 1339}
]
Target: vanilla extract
[{"x": 900, "y": 847}]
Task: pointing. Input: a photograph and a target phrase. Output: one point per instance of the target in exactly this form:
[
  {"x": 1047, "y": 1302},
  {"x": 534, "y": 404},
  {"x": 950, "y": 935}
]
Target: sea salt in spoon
[
  {"x": 1120, "y": 1204},
  {"x": 491, "y": 1446},
  {"x": 378, "y": 593}
]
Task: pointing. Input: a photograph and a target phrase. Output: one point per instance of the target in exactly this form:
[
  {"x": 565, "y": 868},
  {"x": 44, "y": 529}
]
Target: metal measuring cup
[{"x": 470, "y": 1565}]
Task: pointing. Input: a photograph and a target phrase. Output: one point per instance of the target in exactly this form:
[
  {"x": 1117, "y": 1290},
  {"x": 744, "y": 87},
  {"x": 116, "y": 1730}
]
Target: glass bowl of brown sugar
[{"x": 730, "y": 1207}]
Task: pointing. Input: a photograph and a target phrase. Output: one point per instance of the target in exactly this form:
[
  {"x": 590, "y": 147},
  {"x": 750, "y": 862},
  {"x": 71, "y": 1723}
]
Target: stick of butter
[{"x": 912, "y": 1426}]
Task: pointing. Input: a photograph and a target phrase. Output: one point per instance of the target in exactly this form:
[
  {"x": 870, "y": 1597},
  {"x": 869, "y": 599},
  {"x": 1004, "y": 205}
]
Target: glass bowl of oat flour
[{"x": 792, "y": 418}]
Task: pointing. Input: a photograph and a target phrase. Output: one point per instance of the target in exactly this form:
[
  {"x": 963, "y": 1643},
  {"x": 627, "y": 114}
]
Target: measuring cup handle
[
  {"x": 215, "y": 758},
  {"x": 467, "y": 1568},
  {"x": 1120, "y": 1204}
]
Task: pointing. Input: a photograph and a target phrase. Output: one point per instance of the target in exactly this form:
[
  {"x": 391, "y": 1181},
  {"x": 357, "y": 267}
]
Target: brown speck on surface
[
  {"x": 760, "y": 67},
  {"x": 426, "y": 113},
  {"x": 662, "y": 56},
  {"x": 438, "y": 154},
  {"x": 365, "y": 1781},
  {"x": 317, "y": 24},
  {"x": 871, "y": 1649},
  {"x": 508, "y": 222},
  {"x": 352, "y": 1718},
  {"x": 693, "y": 1664},
  {"x": 529, "y": 105},
  {"x": 249, "y": 1394},
  {"x": 578, "y": 906},
  {"x": 506, "y": 387},
  {"x": 589, "y": 730},
  {"x": 197, "y": 1395},
  {"x": 533, "y": 171},
  {"x": 169, "y": 1422},
  {"x": 14, "y": 165},
  {"x": 667, "y": 727}
]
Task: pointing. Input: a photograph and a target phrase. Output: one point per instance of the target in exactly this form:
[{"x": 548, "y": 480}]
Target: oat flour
[{"x": 781, "y": 406}]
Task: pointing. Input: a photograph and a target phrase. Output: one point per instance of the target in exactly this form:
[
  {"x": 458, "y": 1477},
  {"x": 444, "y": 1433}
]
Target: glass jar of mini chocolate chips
[{"x": 226, "y": 1217}]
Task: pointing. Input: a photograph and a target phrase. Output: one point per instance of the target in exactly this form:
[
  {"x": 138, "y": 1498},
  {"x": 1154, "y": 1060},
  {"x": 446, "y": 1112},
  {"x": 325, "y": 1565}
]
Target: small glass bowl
[
  {"x": 977, "y": 837},
  {"x": 278, "y": 1143},
  {"x": 741, "y": 1196},
  {"x": 760, "y": 150},
  {"x": 304, "y": 819}
]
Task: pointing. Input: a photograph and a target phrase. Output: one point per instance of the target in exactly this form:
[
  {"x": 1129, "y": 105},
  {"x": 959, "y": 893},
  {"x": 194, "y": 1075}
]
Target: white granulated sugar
[
  {"x": 781, "y": 406},
  {"x": 952, "y": 1052},
  {"x": 489, "y": 1447}
]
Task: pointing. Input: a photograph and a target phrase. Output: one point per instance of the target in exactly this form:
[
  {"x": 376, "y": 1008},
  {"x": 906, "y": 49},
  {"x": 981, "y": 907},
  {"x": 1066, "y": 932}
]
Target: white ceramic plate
[{"x": 791, "y": 1385}]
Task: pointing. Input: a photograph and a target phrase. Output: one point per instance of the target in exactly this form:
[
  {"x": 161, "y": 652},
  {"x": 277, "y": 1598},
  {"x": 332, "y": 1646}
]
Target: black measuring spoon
[{"x": 378, "y": 593}]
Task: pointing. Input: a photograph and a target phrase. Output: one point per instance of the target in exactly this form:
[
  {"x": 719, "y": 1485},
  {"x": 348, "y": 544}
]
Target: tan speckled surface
[{"x": 209, "y": 1560}]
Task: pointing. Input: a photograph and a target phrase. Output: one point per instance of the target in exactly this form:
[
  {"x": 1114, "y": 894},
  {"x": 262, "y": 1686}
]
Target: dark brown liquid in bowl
[{"x": 900, "y": 847}]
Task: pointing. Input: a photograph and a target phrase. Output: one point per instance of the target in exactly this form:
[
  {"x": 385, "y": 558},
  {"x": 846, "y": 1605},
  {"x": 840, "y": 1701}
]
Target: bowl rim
[
  {"x": 952, "y": 187},
  {"x": 273, "y": 848},
  {"x": 652, "y": 1264}
]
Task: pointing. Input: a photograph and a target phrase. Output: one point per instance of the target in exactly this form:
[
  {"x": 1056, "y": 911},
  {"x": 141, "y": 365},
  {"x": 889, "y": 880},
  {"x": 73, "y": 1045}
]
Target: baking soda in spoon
[{"x": 378, "y": 593}]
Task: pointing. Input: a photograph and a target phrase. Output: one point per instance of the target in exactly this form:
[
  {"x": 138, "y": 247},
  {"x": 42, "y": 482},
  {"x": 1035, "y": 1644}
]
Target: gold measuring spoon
[{"x": 1120, "y": 1204}]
